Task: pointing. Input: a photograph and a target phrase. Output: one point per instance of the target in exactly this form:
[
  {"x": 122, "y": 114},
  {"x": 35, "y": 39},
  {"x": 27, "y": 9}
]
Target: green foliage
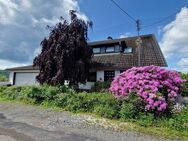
[
  {"x": 145, "y": 119},
  {"x": 177, "y": 122},
  {"x": 100, "y": 103},
  {"x": 34, "y": 94},
  {"x": 184, "y": 76},
  {"x": 185, "y": 89},
  {"x": 128, "y": 111},
  {"x": 101, "y": 86},
  {"x": 107, "y": 106},
  {"x": 4, "y": 75},
  {"x": 103, "y": 104},
  {"x": 3, "y": 78}
]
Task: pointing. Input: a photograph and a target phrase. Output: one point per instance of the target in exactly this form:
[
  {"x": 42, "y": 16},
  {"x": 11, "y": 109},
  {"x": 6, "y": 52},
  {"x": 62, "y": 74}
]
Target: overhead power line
[
  {"x": 137, "y": 21},
  {"x": 131, "y": 17}
]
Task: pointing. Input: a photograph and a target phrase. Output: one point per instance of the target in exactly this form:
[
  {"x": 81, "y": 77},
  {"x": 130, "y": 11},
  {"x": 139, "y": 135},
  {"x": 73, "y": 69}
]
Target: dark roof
[
  {"x": 30, "y": 67},
  {"x": 110, "y": 41},
  {"x": 150, "y": 54}
]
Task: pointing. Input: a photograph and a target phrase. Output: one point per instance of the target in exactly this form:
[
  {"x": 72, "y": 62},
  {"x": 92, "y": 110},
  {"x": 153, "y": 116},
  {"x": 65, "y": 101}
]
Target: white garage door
[{"x": 25, "y": 78}]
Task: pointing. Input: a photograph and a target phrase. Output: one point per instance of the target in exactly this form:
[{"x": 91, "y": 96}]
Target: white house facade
[
  {"x": 111, "y": 57},
  {"x": 27, "y": 76}
]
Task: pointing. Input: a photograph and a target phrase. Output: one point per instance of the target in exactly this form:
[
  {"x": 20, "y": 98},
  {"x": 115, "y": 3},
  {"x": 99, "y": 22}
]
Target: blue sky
[
  {"x": 109, "y": 20},
  {"x": 22, "y": 25}
]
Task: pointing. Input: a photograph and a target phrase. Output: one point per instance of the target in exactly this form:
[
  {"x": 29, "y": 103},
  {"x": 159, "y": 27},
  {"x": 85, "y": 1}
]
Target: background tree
[
  {"x": 65, "y": 54},
  {"x": 4, "y": 75}
]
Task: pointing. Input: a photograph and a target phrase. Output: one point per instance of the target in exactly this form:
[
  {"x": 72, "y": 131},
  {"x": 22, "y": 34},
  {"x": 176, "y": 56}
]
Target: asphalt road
[
  {"x": 31, "y": 123},
  {"x": 17, "y": 131}
]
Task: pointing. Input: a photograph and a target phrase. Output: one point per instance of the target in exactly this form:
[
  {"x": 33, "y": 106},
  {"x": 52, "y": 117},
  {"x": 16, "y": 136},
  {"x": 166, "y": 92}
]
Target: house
[{"x": 111, "y": 57}]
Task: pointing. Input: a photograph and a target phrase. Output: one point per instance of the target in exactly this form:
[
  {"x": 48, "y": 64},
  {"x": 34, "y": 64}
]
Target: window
[
  {"x": 128, "y": 50},
  {"x": 117, "y": 48},
  {"x": 96, "y": 50},
  {"x": 92, "y": 77},
  {"x": 108, "y": 75},
  {"x": 110, "y": 49},
  {"x": 103, "y": 49}
]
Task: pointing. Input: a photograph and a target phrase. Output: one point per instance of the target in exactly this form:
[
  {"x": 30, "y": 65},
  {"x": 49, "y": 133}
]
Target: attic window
[
  {"x": 96, "y": 50},
  {"x": 128, "y": 50},
  {"x": 110, "y": 49}
]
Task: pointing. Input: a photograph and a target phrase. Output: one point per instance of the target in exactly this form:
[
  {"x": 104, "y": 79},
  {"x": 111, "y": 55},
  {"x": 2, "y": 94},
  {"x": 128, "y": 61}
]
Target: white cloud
[
  {"x": 174, "y": 42},
  {"x": 4, "y": 64},
  {"x": 22, "y": 26},
  {"x": 125, "y": 35},
  {"x": 183, "y": 62},
  {"x": 8, "y": 11}
]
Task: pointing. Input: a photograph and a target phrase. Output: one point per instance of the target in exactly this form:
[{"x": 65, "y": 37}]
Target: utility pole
[
  {"x": 138, "y": 41},
  {"x": 138, "y": 26}
]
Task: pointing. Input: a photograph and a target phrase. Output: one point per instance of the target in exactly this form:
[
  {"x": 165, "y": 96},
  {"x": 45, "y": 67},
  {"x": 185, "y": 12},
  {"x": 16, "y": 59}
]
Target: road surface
[{"x": 20, "y": 122}]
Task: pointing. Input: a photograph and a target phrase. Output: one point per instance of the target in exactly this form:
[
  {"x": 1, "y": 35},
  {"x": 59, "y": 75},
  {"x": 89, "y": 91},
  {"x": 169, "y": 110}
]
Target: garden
[{"x": 151, "y": 98}]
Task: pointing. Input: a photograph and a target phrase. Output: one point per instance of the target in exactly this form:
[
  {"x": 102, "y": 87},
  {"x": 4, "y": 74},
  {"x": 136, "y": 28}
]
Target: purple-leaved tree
[{"x": 65, "y": 54}]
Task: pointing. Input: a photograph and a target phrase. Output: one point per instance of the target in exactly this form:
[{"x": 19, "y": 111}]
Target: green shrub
[
  {"x": 3, "y": 78},
  {"x": 101, "y": 86},
  {"x": 36, "y": 94},
  {"x": 105, "y": 111},
  {"x": 108, "y": 107},
  {"x": 145, "y": 119},
  {"x": 178, "y": 121},
  {"x": 33, "y": 92},
  {"x": 11, "y": 93},
  {"x": 64, "y": 97},
  {"x": 102, "y": 104},
  {"x": 185, "y": 88},
  {"x": 128, "y": 111},
  {"x": 2, "y": 88}
]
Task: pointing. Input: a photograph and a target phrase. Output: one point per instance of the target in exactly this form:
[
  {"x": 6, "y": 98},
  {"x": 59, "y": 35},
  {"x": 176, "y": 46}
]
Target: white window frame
[
  {"x": 128, "y": 50},
  {"x": 109, "y": 49},
  {"x": 96, "y": 50}
]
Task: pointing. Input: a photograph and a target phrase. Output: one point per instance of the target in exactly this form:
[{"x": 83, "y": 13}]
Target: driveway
[{"x": 32, "y": 123}]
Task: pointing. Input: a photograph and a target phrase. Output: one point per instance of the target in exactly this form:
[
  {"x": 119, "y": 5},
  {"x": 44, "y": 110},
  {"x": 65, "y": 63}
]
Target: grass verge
[{"x": 112, "y": 124}]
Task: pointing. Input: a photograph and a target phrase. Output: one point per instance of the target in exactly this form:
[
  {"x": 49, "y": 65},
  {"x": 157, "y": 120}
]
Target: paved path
[{"x": 31, "y": 123}]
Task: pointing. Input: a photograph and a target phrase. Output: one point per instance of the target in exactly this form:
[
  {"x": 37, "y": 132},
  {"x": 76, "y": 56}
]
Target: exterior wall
[
  {"x": 100, "y": 75},
  {"x": 11, "y": 77},
  {"x": 27, "y": 77},
  {"x": 117, "y": 72}
]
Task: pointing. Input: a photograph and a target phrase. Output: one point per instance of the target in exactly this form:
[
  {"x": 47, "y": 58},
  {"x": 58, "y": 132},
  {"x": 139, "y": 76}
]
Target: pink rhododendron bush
[{"x": 156, "y": 87}]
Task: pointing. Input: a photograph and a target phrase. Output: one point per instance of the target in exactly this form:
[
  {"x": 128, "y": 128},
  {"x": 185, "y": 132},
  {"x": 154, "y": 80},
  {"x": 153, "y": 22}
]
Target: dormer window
[
  {"x": 106, "y": 49},
  {"x": 96, "y": 50},
  {"x": 110, "y": 49},
  {"x": 128, "y": 50}
]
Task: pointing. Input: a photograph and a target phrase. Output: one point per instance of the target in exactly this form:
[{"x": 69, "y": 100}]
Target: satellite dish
[{"x": 110, "y": 38}]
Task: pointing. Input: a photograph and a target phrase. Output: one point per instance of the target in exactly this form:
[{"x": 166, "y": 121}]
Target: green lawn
[{"x": 121, "y": 115}]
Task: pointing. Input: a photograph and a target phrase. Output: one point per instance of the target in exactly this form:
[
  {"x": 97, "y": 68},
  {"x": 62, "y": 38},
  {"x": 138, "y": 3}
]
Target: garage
[
  {"x": 25, "y": 78},
  {"x": 25, "y": 75}
]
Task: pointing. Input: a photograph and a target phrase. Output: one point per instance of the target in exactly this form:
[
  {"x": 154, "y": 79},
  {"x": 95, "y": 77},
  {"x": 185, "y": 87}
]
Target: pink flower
[{"x": 150, "y": 83}]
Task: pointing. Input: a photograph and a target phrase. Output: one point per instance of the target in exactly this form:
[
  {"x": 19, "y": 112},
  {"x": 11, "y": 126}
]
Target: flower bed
[{"x": 155, "y": 86}]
